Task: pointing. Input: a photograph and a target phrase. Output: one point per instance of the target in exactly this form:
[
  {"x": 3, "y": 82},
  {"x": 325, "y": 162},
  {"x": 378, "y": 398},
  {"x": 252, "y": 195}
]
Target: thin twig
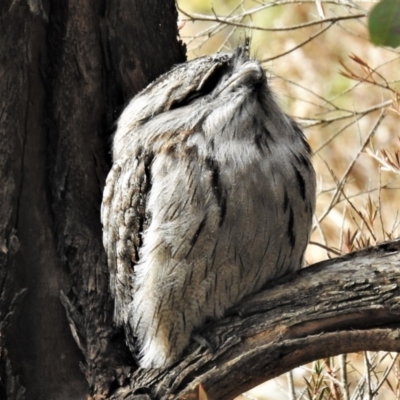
[
  {"x": 230, "y": 21},
  {"x": 350, "y": 167},
  {"x": 385, "y": 375},
  {"x": 327, "y": 248},
  {"x": 367, "y": 368},
  {"x": 343, "y": 376},
  {"x": 292, "y": 392},
  {"x": 321, "y": 31},
  {"x": 325, "y": 121}
]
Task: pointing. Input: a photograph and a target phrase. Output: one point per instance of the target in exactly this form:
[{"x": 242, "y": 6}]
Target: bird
[{"x": 210, "y": 196}]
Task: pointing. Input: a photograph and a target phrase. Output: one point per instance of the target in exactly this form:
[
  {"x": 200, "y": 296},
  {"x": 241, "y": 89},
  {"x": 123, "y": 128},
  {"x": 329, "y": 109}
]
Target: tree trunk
[{"x": 66, "y": 70}]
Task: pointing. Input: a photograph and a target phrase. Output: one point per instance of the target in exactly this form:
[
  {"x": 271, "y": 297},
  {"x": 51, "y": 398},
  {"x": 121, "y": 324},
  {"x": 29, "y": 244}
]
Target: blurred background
[{"x": 344, "y": 91}]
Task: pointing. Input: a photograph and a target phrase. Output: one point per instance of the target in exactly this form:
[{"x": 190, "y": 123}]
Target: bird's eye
[{"x": 209, "y": 84}]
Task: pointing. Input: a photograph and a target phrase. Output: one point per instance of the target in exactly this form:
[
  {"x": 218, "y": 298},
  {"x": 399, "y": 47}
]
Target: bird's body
[{"x": 211, "y": 195}]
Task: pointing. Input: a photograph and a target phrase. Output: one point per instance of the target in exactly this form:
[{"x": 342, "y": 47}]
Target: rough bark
[
  {"x": 66, "y": 70},
  {"x": 338, "y": 306}
]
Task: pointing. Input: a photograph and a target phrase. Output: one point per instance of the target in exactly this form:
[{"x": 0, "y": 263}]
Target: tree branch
[{"x": 347, "y": 304}]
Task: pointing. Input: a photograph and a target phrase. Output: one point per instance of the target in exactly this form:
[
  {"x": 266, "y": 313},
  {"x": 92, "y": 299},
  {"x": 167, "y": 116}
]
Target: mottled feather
[{"x": 211, "y": 195}]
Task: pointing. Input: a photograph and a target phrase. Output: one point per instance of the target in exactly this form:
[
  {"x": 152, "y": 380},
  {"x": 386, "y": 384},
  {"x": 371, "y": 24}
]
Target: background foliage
[{"x": 345, "y": 93}]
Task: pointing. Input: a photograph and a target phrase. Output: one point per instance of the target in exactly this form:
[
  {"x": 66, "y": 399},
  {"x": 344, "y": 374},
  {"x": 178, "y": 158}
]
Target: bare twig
[
  {"x": 343, "y": 376},
  {"x": 230, "y": 21}
]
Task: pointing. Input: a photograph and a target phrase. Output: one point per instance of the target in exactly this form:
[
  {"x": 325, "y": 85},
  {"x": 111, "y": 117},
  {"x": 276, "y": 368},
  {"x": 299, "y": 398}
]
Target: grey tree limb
[{"x": 347, "y": 304}]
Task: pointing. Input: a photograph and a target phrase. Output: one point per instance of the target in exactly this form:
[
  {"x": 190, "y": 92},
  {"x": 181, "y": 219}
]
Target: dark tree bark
[{"x": 66, "y": 70}]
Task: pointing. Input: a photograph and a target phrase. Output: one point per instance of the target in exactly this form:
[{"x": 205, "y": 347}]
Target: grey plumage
[{"x": 210, "y": 196}]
